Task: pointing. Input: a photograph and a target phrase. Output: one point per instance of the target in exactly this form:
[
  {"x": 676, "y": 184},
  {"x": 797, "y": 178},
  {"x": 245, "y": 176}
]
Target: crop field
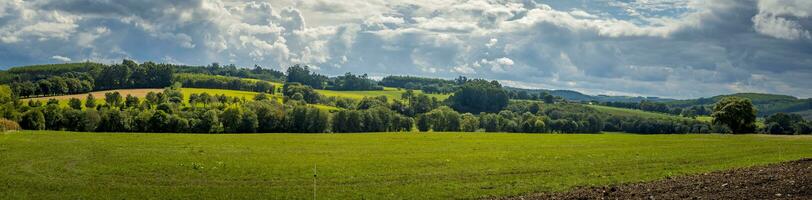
[
  {"x": 69, "y": 165},
  {"x": 390, "y": 93}
]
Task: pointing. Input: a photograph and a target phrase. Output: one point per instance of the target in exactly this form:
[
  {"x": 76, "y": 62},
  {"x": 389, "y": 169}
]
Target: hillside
[
  {"x": 766, "y": 104},
  {"x": 580, "y": 97}
]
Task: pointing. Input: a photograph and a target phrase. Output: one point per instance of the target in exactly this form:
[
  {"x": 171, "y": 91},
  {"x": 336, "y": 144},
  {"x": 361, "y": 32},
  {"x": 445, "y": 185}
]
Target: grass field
[
  {"x": 634, "y": 112},
  {"x": 67, "y": 165},
  {"x": 391, "y": 93}
]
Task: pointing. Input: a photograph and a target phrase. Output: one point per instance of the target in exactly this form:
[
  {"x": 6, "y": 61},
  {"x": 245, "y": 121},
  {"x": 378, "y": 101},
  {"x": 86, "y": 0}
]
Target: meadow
[
  {"x": 390, "y": 93},
  {"x": 70, "y": 165},
  {"x": 634, "y": 113}
]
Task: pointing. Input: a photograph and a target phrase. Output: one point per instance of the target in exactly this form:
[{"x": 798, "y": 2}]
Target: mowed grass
[
  {"x": 390, "y": 93},
  {"x": 67, "y": 165}
]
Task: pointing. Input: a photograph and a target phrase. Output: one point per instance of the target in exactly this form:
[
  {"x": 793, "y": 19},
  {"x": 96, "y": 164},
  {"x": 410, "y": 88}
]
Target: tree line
[
  {"x": 232, "y": 70},
  {"x": 41, "y": 81},
  {"x": 427, "y": 85},
  {"x": 223, "y": 82}
]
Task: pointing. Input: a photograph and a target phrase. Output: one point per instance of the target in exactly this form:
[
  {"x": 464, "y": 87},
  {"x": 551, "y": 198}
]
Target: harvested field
[{"x": 789, "y": 180}]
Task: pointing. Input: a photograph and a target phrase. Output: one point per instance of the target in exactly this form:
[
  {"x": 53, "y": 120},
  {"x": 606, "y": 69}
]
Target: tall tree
[
  {"x": 479, "y": 96},
  {"x": 736, "y": 113}
]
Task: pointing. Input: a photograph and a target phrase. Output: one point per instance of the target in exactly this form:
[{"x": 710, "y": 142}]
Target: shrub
[{"x": 8, "y": 125}]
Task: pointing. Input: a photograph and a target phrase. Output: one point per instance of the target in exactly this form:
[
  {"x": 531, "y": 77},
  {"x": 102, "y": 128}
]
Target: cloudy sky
[{"x": 667, "y": 48}]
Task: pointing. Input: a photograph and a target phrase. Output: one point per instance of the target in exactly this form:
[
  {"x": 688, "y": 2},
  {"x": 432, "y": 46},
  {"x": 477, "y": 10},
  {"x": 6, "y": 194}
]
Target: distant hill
[
  {"x": 577, "y": 96},
  {"x": 766, "y": 104}
]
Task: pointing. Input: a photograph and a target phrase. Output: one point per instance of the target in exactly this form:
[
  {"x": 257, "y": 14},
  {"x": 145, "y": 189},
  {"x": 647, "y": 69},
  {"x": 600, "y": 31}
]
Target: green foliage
[
  {"x": 302, "y": 75},
  {"x": 223, "y": 82},
  {"x": 33, "y": 120},
  {"x": 738, "y": 114},
  {"x": 305, "y": 93},
  {"x": 469, "y": 123},
  {"x": 479, "y": 96},
  {"x": 353, "y": 82},
  {"x": 782, "y": 123},
  {"x": 231, "y": 70},
  {"x": 90, "y": 101},
  {"x": 428, "y": 85},
  {"x": 442, "y": 119}
]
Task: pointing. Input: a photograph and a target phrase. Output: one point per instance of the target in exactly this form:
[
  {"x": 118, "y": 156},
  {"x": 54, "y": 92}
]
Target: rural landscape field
[{"x": 445, "y": 99}]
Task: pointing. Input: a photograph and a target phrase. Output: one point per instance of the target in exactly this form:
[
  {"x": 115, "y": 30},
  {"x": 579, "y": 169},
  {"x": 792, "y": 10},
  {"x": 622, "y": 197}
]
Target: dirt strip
[{"x": 789, "y": 180}]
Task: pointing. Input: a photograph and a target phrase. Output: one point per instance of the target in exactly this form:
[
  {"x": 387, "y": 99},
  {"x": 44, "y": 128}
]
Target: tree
[
  {"x": 785, "y": 123},
  {"x": 442, "y": 119},
  {"x": 75, "y": 103},
  {"x": 232, "y": 118},
  {"x": 736, "y": 113},
  {"x": 113, "y": 99},
  {"x": 479, "y": 96},
  {"x": 159, "y": 122},
  {"x": 90, "y": 120},
  {"x": 113, "y": 120},
  {"x": 90, "y": 101},
  {"x": 260, "y": 97},
  {"x": 33, "y": 120},
  {"x": 131, "y": 101},
  {"x": 469, "y": 123}
]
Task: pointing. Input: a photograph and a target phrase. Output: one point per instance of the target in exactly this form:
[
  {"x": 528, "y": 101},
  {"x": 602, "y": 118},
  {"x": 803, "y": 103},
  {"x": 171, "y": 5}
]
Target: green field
[
  {"x": 68, "y": 165},
  {"x": 390, "y": 93},
  {"x": 634, "y": 112}
]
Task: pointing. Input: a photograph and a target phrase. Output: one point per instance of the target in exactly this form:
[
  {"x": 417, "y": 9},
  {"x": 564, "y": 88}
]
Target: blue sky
[{"x": 667, "y": 48}]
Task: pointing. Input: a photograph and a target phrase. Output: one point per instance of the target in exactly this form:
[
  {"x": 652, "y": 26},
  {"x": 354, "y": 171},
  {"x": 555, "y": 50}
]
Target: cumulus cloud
[
  {"x": 775, "y": 19},
  {"x": 671, "y": 48},
  {"x": 61, "y": 58}
]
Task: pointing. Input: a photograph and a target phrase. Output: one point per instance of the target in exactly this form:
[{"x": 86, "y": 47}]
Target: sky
[{"x": 664, "y": 48}]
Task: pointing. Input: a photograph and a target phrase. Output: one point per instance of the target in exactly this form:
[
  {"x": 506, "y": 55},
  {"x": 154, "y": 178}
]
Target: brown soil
[{"x": 790, "y": 180}]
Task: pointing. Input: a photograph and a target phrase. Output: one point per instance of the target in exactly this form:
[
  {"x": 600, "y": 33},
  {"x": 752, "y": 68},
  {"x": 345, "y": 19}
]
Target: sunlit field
[{"x": 69, "y": 165}]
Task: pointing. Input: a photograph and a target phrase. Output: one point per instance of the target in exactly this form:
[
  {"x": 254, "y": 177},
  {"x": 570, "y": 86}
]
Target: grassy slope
[
  {"x": 634, "y": 112},
  {"x": 391, "y": 93},
  {"x": 61, "y": 165}
]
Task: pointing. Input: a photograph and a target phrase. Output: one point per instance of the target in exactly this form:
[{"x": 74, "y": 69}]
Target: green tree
[
  {"x": 469, "y": 123},
  {"x": 90, "y": 101},
  {"x": 738, "y": 114},
  {"x": 479, "y": 96},
  {"x": 33, "y": 120},
  {"x": 90, "y": 120},
  {"x": 232, "y": 118},
  {"x": 75, "y": 103},
  {"x": 785, "y": 123}
]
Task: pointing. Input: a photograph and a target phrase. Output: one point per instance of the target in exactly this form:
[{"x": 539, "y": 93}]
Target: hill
[
  {"x": 570, "y": 95},
  {"x": 766, "y": 104}
]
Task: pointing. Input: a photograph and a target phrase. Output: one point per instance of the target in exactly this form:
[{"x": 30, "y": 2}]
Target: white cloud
[
  {"x": 772, "y": 18},
  {"x": 642, "y": 47},
  {"x": 61, "y": 58}
]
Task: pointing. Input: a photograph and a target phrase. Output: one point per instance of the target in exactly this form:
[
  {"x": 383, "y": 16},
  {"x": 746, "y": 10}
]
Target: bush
[{"x": 8, "y": 125}]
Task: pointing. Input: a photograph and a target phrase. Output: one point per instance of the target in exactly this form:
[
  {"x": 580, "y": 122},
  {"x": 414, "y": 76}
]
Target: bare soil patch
[{"x": 789, "y": 180}]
